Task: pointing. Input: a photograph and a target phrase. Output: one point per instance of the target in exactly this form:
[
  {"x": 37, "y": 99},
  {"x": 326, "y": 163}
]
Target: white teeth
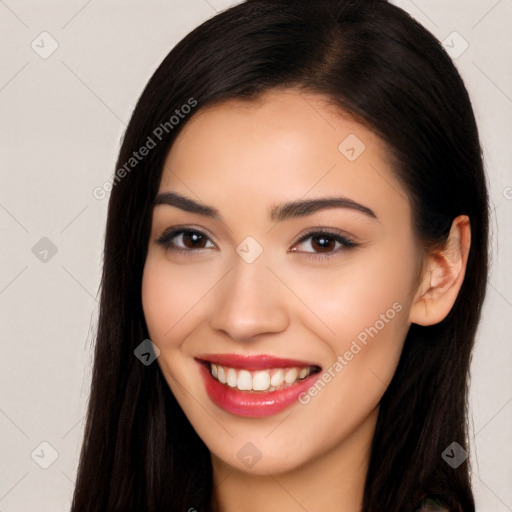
[
  {"x": 244, "y": 381},
  {"x": 231, "y": 378},
  {"x": 291, "y": 376},
  {"x": 261, "y": 380},
  {"x": 278, "y": 378}
]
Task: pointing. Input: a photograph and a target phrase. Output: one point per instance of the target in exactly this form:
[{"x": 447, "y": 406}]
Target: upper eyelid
[
  {"x": 176, "y": 230},
  {"x": 322, "y": 231}
]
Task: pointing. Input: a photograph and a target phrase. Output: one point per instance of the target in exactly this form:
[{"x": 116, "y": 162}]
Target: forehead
[{"x": 283, "y": 146}]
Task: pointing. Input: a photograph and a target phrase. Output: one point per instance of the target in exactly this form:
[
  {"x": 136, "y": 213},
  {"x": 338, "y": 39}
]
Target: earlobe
[{"x": 442, "y": 276}]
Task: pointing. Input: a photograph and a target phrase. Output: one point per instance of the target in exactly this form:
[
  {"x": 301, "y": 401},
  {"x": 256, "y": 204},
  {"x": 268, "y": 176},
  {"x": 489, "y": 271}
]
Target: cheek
[
  {"x": 168, "y": 298},
  {"x": 165, "y": 302},
  {"x": 361, "y": 316},
  {"x": 171, "y": 294},
  {"x": 364, "y": 320},
  {"x": 173, "y": 300},
  {"x": 159, "y": 302},
  {"x": 364, "y": 291}
]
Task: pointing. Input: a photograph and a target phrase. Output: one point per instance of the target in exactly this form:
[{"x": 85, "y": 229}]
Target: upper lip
[{"x": 254, "y": 362}]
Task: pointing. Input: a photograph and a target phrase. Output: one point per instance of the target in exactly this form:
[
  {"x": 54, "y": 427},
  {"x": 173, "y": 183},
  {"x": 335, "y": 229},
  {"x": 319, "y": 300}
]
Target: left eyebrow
[{"x": 303, "y": 208}]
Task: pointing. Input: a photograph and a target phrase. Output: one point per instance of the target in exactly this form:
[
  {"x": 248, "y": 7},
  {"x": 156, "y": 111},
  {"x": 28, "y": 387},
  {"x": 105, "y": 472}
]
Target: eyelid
[
  {"x": 325, "y": 231},
  {"x": 346, "y": 242},
  {"x": 172, "y": 231}
]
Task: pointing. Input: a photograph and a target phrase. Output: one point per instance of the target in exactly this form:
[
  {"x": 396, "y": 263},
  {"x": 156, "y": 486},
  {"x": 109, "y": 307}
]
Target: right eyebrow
[{"x": 184, "y": 203}]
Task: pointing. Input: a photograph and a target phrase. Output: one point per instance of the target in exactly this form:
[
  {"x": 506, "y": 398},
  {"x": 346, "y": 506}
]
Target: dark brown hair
[{"x": 374, "y": 61}]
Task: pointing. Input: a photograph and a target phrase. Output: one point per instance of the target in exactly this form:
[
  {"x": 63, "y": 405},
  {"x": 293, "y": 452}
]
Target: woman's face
[{"x": 288, "y": 272}]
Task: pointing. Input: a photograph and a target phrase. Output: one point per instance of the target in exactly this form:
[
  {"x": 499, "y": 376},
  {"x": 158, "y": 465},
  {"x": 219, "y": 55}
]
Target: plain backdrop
[{"x": 71, "y": 72}]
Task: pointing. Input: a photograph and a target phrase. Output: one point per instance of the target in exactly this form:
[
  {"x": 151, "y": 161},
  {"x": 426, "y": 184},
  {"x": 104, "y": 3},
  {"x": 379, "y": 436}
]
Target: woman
[{"x": 298, "y": 223}]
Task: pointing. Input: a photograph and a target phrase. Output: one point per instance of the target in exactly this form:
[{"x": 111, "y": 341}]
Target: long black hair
[{"x": 374, "y": 61}]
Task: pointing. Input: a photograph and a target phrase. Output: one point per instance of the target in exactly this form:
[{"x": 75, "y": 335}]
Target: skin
[{"x": 242, "y": 158}]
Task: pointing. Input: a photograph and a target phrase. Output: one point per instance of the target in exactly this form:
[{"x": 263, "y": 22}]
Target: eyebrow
[
  {"x": 306, "y": 207},
  {"x": 278, "y": 213},
  {"x": 185, "y": 203}
]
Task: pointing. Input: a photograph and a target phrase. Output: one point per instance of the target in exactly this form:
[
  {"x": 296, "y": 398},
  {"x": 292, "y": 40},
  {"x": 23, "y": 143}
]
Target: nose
[{"x": 250, "y": 302}]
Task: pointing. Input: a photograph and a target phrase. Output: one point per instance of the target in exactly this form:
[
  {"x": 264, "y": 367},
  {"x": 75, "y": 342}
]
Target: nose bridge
[{"x": 250, "y": 301}]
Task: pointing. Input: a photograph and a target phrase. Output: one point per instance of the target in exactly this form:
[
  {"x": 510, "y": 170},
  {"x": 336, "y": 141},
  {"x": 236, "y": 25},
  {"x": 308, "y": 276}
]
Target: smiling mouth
[
  {"x": 259, "y": 381},
  {"x": 254, "y": 386}
]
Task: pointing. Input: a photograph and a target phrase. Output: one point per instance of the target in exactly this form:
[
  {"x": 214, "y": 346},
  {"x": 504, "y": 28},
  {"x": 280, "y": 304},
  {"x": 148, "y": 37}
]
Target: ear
[{"x": 442, "y": 276}]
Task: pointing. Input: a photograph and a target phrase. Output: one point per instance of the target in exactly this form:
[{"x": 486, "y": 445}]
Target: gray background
[{"x": 62, "y": 118}]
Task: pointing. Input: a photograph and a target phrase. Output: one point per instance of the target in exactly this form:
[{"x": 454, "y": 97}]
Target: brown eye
[
  {"x": 320, "y": 243},
  {"x": 194, "y": 240},
  {"x": 323, "y": 243},
  {"x": 184, "y": 240}
]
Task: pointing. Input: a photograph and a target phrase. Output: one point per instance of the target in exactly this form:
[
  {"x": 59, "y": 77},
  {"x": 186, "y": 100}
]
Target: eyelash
[
  {"x": 345, "y": 242},
  {"x": 167, "y": 237}
]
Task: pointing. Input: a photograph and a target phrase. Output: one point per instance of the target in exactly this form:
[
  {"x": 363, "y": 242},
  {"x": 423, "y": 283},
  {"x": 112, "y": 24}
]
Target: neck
[{"x": 332, "y": 481}]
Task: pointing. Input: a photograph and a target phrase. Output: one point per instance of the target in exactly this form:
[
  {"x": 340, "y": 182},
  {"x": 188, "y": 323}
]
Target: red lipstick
[
  {"x": 256, "y": 362},
  {"x": 253, "y": 403}
]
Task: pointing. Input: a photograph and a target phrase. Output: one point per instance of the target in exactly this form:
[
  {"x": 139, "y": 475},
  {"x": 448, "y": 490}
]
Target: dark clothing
[{"x": 431, "y": 505}]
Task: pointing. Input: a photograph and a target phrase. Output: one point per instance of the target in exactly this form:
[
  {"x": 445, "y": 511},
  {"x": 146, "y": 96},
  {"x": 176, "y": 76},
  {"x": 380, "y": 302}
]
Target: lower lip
[{"x": 256, "y": 404}]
